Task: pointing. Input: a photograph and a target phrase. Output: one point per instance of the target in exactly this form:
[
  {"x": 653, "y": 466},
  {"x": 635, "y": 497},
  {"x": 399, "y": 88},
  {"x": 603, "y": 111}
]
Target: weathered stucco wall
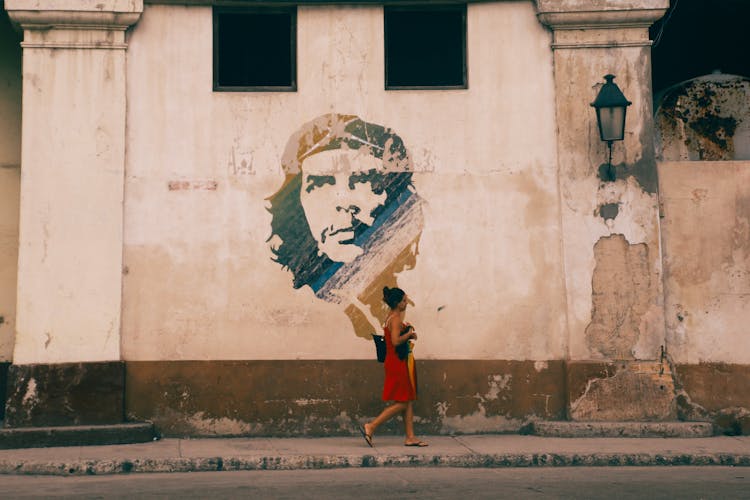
[
  {"x": 706, "y": 242},
  {"x": 10, "y": 178},
  {"x": 610, "y": 223},
  {"x": 484, "y": 269},
  {"x": 613, "y": 267},
  {"x": 611, "y": 232},
  {"x": 706, "y": 233}
]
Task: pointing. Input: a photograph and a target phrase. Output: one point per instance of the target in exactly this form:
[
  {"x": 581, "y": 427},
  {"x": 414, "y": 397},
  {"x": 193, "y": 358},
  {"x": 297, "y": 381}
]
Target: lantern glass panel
[{"x": 612, "y": 123}]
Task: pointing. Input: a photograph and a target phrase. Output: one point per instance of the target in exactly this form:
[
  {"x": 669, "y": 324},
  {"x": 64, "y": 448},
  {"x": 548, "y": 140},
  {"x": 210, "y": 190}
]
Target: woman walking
[{"x": 400, "y": 375}]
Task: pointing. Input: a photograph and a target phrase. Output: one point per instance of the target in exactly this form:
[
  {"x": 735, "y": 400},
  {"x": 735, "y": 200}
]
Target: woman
[{"x": 400, "y": 376}]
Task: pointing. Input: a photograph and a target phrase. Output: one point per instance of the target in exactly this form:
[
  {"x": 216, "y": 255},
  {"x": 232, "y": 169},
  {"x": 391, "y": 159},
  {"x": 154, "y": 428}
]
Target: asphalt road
[{"x": 433, "y": 483}]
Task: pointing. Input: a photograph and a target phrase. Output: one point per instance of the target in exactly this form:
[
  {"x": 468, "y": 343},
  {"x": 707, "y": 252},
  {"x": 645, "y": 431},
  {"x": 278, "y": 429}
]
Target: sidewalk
[{"x": 187, "y": 455}]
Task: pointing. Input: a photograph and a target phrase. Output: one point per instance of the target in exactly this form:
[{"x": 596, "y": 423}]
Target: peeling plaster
[
  {"x": 217, "y": 426},
  {"x": 620, "y": 296},
  {"x": 705, "y": 119},
  {"x": 608, "y": 210},
  {"x": 476, "y": 422},
  {"x": 637, "y": 391},
  {"x": 540, "y": 365},
  {"x": 497, "y": 384},
  {"x": 30, "y": 398}
]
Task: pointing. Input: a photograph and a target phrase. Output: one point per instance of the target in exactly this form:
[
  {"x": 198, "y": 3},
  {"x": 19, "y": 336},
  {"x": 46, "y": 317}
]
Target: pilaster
[
  {"x": 71, "y": 208},
  {"x": 611, "y": 238}
]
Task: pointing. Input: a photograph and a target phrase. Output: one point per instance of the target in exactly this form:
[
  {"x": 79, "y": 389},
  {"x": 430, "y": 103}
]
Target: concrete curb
[{"x": 311, "y": 462}]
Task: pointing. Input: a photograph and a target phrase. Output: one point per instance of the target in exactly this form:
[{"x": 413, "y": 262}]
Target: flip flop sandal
[
  {"x": 419, "y": 444},
  {"x": 367, "y": 437}
]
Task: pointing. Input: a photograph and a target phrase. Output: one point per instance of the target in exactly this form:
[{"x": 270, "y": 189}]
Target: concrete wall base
[{"x": 331, "y": 397}]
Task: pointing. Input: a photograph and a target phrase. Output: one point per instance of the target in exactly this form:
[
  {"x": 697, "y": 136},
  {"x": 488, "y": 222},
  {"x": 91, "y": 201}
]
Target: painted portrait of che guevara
[{"x": 346, "y": 219}]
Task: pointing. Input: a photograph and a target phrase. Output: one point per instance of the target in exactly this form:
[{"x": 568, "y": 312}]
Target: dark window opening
[
  {"x": 699, "y": 37},
  {"x": 255, "y": 49},
  {"x": 425, "y": 47}
]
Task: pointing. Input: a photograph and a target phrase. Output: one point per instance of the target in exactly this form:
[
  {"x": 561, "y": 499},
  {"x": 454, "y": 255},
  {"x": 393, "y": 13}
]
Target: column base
[
  {"x": 3, "y": 386},
  {"x": 43, "y": 395}
]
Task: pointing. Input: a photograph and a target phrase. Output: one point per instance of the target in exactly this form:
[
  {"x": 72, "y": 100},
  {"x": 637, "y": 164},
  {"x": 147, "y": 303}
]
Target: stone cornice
[
  {"x": 595, "y": 14},
  {"x": 45, "y": 19},
  {"x": 600, "y": 19},
  {"x": 585, "y": 24},
  {"x": 115, "y": 15},
  {"x": 74, "y": 24}
]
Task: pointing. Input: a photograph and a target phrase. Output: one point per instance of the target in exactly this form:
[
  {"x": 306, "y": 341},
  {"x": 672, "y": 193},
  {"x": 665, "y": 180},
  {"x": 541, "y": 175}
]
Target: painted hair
[
  {"x": 393, "y": 296},
  {"x": 292, "y": 243}
]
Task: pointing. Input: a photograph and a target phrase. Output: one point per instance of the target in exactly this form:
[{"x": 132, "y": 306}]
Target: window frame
[
  {"x": 459, "y": 7},
  {"x": 292, "y": 11}
]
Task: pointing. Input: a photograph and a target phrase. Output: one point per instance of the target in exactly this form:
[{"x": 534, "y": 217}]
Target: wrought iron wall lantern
[{"x": 610, "y": 105}]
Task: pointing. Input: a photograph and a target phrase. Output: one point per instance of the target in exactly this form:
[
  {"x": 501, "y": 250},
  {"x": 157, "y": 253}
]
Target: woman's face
[
  {"x": 338, "y": 199},
  {"x": 402, "y": 305}
]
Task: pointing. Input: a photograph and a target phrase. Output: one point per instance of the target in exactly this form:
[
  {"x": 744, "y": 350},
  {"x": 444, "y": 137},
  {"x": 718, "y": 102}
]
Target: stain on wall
[
  {"x": 705, "y": 119},
  {"x": 620, "y": 296}
]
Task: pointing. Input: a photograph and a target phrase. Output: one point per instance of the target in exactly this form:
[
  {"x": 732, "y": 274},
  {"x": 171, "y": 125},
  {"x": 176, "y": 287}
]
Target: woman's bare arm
[{"x": 394, "y": 325}]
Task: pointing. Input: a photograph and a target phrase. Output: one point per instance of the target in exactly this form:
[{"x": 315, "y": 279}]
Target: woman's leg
[
  {"x": 409, "y": 421},
  {"x": 390, "y": 411},
  {"x": 411, "y": 438}
]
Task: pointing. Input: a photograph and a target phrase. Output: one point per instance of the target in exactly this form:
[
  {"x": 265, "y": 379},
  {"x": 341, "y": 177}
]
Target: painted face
[{"x": 338, "y": 199}]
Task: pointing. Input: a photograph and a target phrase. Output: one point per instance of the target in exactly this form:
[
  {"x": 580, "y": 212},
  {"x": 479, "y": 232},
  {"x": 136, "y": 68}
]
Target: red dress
[{"x": 400, "y": 374}]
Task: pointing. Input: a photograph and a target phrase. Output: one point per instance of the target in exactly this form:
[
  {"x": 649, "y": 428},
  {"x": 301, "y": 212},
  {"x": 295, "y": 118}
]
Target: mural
[{"x": 347, "y": 218}]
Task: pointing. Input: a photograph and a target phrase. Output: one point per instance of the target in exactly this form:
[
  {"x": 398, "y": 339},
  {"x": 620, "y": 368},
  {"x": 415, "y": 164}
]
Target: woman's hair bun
[{"x": 392, "y": 296}]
